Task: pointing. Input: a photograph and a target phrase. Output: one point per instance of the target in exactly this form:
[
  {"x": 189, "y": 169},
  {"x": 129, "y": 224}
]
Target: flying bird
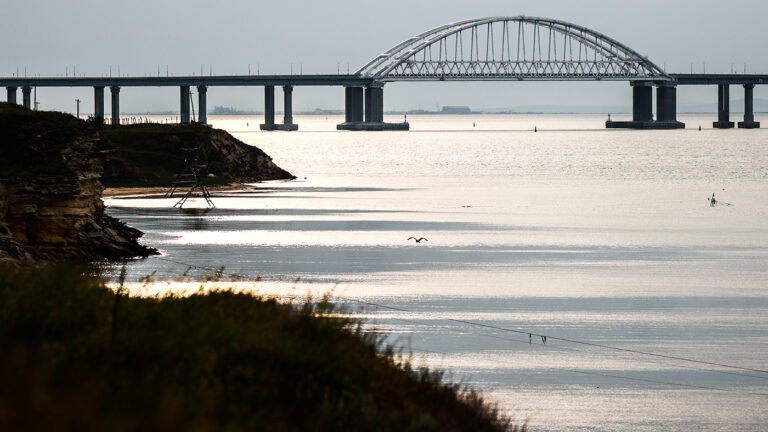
[{"x": 418, "y": 240}]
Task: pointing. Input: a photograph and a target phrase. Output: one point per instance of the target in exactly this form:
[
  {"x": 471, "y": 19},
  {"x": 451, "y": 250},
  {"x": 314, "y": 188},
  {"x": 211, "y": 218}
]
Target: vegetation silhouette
[{"x": 77, "y": 355}]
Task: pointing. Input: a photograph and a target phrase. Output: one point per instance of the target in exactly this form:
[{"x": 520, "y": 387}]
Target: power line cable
[
  {"x": 523, "y": 332},
  {"x": 574, "y": 341}
]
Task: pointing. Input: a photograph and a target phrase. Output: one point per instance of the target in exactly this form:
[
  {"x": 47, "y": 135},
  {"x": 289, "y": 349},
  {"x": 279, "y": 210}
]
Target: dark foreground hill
[{"x": 75, "y": 355}]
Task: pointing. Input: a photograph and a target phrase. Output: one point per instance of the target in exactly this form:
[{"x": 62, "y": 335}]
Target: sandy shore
[{"x": 131, "y": 191}]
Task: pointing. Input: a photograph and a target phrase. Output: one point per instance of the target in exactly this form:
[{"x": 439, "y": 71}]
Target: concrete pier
[
  {"x": 98, "y": 104},
  {"x": 269, "y": 108},
  {"x": 666, "y": 107},
  {"x": 374, "y": 105},
  {"x": 642, "y": 101},
  {"x": 642, "y": 108},
  {"x": 354, "y": 101},
  {"x": 723, "y": 108},
  {"x": 184, "y": 104},
  {"x": 202, "y": 92},
  {"x": 11, "y": 91},
  {"x": 749, "y": 109},
  {"x": 666, "y": 103},
  {"x": 115, "y": 90},
  {"x": 26, "y": 96},
  {"x": 288, "y": 124},
  {"x": 364, "y": 110}
]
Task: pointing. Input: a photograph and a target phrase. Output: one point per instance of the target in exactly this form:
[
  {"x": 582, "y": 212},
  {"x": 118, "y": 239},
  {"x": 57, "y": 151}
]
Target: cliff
[
  {"x": 50, "y": 192},
  {"x": 152, "y": 155}
]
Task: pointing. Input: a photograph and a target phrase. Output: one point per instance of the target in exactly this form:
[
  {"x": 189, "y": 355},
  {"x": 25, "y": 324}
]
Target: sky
[{"x": 53, "y": 37}]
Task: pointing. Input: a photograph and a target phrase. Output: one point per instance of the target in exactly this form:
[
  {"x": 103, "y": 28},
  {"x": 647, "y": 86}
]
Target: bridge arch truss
[{"x": 511, "y": 48}]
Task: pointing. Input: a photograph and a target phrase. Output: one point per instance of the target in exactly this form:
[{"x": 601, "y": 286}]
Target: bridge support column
[
  {"x": 364, "y": 110},
  {"x": 269, "y": 108},
  {"x": 642, "y": 101},
  {"x": 26, "y": 96},
  {"x": 749, "y": 109},
  {"x": 98, "y": 104},
  {"x": 11, "y": 91},
  {"x": 202, "y": 92},
  {"x": 666, "y": 107},
  {"x": 374, "y": 105},
  {"x": 666, "y": 103},
  {"x": 288, "y": 124},
  {"x": 642, "y": 108},
  {"x": 354, "y": 102},
  {"x": 115, "y": 104},
  {"x": 723, "y": 108},
  {"x": 184, "y": 96}
]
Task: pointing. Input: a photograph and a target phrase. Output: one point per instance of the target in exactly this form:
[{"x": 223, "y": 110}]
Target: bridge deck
[
  {"x": 311, "y": 80},
  {"x": 712, "y": 79},
  {"x": 230, "y": 81}
]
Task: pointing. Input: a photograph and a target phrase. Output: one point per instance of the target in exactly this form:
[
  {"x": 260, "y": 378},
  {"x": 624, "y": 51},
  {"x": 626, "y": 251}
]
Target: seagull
[{"x": 418, "y": 240}]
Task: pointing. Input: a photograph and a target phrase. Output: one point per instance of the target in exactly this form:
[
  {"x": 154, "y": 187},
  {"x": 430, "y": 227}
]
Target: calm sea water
[{"x": 598, "y": 239}]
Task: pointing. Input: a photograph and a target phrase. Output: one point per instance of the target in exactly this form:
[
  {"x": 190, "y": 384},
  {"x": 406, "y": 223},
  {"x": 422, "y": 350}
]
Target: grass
[{"x": 76, "y": 355}]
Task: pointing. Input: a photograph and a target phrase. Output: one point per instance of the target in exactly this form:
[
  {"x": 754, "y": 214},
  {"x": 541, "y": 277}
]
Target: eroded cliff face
[{"x": 50, "y": 192}]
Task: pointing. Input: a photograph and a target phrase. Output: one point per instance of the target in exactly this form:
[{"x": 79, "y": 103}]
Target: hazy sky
[{"x": 49, "y": 37}]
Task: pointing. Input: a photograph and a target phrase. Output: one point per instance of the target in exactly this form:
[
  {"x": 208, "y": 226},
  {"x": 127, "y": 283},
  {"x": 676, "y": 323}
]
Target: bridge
[{"x": 487, "y": 49}]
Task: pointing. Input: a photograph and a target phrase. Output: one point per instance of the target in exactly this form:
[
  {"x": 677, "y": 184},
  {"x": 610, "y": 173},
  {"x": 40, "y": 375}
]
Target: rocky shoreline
[
  {"x": 50, "y": 192},
  {"x": 51, "y": 182}
]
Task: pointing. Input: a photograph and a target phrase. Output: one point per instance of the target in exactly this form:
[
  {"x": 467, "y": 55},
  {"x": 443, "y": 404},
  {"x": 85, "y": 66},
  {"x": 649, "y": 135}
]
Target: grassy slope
[{"x": 73, "y": 355}]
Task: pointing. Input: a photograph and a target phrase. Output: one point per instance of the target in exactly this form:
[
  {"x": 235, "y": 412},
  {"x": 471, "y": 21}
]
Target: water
[{"x": 575, "y": 232}]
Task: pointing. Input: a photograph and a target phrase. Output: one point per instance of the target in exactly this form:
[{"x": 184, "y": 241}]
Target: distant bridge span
[
  {"x": 516, "y": 48},
  {"x": 512, "y": 48}
]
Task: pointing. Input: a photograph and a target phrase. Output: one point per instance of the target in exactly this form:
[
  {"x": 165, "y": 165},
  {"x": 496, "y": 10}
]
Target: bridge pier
[
  {"x": 364, "y": 110},
  {"x": 354, "y": 104},
  {"x": 26, "y": 96},
  {"x": 642, "y": 101},
  {"x": 11, "y": 91},
  {"x": 202, "y": 92},
  {"x": 288, "y": 124},
  {"x": 642, "y": 107},
  {"x": 269, "y": 108},
  {"x": 374, "y": 105},
  {"x": 184, "y": 96},
  {"x": 98, "y": 104},
  {"x": 115, "y": 104},
  {"x": 723, "y": 108},
  {"x": 666, "y": 107},
  {"x": 749, "y": 110}
]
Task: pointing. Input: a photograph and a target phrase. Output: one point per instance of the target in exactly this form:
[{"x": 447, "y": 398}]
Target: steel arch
[{"x": 511, "y": 48}]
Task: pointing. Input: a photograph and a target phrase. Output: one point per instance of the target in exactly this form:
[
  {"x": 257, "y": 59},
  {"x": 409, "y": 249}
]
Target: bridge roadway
[
  {"x": 356, "y": 108},
  {"x": 364, "y": 96}
]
